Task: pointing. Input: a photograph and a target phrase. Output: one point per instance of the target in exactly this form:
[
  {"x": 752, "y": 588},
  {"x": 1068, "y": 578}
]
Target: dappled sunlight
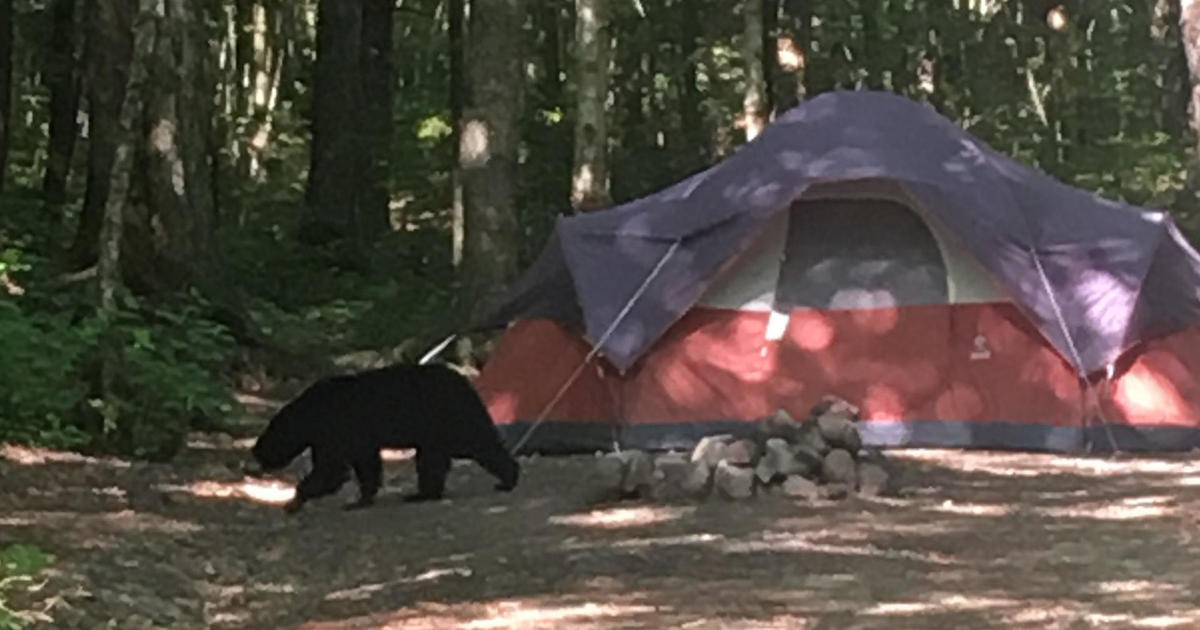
[
  {"x": 773, "y": 542},
  {"x": 882, "y": 402},
  {"x": 398, "y": 455},
  {"x": 1145, "y": 393},
  {"x": 366, "y": 591},
  {"x": 938, "y": 603},
  {"x": 1107, "y": 511},
  {"x": 970, "y": 509},
  {"x": 879, "y": 321},
  {"x": 1019, "y": 464},
  {"x": 264, "y": 491},
  {"x": 34, "y": 456},
  {"x": 532, "y": 615},
  {"x": 811, "y": 330},
  {"x": 618, "y": 517}
]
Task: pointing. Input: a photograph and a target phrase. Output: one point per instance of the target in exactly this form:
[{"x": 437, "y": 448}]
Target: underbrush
[{"x": 173, "y": 360}]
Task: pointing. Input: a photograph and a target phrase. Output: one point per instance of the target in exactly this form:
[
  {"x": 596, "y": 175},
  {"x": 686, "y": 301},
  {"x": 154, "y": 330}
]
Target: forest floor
[{"x": 977, "y": 540}]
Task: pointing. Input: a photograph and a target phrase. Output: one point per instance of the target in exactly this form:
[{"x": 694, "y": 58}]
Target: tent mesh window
[{"x": 856, "y": 254}]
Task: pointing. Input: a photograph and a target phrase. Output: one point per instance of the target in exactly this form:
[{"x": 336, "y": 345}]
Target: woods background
[{"x": 206, "y": 195}]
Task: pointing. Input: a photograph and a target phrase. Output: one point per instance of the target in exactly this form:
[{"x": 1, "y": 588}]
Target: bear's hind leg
[
  {"x": 432, "y": 467},
  {"x": 368, "y": 470}
]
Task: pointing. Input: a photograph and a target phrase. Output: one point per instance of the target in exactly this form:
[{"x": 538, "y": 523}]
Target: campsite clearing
[{"x": 981, "y": 540}]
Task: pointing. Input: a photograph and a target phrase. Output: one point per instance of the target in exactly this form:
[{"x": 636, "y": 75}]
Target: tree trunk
[
  {"x": 243, "y": 61},
  {"x": 457, "y": 94},
  {"x": 488, "y": 152},
  {"x": 770, "y": 60},
  {"x": 122, "y": 136},
  {"x": 1190, "y": 23},
  {"x": 6, "y": 96},
  {"x": 109, "y": 49},
  {"x": 1173, "y": 76},
  {"x": 336, "y": 201},
  {"x": 62, "y": 80},
  {"x": 171, "y": 235},
  {"x": 754, "y": 102},
  {"x": 695, "y": 143},
  {"x": 379, "y": 88},
  {"x": 548, "y": 13},
  {"x": 872, "y": 45},
  {"x": 593, "y": 42}
]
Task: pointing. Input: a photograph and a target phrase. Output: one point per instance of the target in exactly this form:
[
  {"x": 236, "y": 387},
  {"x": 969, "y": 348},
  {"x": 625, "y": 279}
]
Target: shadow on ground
[{"x": 980, "y": 540}]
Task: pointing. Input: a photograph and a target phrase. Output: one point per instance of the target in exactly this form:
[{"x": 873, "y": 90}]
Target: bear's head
[{"x": 287, "y": 435}]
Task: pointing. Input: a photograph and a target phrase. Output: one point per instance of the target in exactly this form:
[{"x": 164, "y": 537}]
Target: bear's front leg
[
  {"x": 432, "y": 466},
  {"x": 368, "y": 469},
  {"x": 326, "y": 477}
]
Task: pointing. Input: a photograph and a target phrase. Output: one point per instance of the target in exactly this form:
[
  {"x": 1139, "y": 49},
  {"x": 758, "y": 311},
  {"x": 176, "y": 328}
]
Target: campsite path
[{"x": 983, "y": 541}]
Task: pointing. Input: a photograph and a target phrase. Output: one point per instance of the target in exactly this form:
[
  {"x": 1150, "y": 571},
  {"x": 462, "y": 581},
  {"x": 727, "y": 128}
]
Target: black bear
[{"x": 347, "y": 419}]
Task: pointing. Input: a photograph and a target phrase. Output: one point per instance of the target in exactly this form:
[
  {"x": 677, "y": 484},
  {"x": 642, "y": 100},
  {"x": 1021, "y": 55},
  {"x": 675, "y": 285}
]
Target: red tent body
[{"x": 918, "y": 373}]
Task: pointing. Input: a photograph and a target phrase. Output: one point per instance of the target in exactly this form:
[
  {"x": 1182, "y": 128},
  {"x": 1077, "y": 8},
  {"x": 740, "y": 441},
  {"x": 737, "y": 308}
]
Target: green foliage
[
  {"x": 18, "y": 564},
  {"x": 169, "y": 358},
  {"x": 40, "y": 376},
  {"x": 164, "y": 378}
]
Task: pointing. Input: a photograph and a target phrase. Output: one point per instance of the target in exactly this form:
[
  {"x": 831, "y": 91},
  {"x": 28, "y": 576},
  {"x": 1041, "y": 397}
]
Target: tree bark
[
  {"x": 593, "y": 44},
  {"x": 62, "y": 80},
  {"x": 337, "y": 203},
  {"x": 489, "y": 143},
  {"x": 754, "y": 102},
  {"x": 770, "y": 60},
  {"x": 1190, "y": 32},
  {"x": 6, "y": 74},
  {"x": 379, "y": 88},
  {"x": 872, "y": 45},
  {"x": 170, "y": 236},
  {"x": 109, "y": 48},
  {"x": 1173, "y": 76},
  {"x": 695, "y": 140},
  {"x": 457, "y": 96},
  {"x": 243, "y": 49}
]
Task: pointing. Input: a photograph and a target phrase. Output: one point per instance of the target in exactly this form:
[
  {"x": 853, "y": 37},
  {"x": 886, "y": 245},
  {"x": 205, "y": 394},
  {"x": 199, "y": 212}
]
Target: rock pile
[{"x": 820, "y": 457}]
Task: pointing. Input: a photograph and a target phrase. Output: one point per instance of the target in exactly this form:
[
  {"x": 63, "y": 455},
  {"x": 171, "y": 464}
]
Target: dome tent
[{"x": 864, "y": 246}]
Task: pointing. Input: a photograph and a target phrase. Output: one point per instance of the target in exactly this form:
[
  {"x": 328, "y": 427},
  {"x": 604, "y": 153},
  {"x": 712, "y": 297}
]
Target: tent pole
[
  {"x": 1066, "y": 331},
  {"x": 541, "y": 417}
]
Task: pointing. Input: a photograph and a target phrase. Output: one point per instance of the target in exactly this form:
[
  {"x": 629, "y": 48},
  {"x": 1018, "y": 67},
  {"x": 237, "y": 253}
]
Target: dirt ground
[{"x": 978, "y": 540}]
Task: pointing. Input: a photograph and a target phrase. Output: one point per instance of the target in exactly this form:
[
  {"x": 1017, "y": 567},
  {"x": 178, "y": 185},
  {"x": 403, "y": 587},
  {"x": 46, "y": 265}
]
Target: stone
[
  {"x": 698, "y": 482},
  {"x": 835, "y": 491},
  {"x": 637, "y": 473},
  {"x": 742, "y": 453},
  {"x": 808, "y": 460},
  {"x": 810, "y": 437},
  {"x": 834, "y": 405},
  {"x": 779, "y": 460},
  {"x": 839, "y": 431},
  {"x": 675, "y": 477},
  {"x": 733, "y": 482},
  {"x": 873, "y": 479},
  {"x": 839, "y": 467},
  {"x": 800, "y": 488},
  {"x": 711, "y": 449},
  {"x": 780, "y": 424},
  {"x": 609, "y": 471}
]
